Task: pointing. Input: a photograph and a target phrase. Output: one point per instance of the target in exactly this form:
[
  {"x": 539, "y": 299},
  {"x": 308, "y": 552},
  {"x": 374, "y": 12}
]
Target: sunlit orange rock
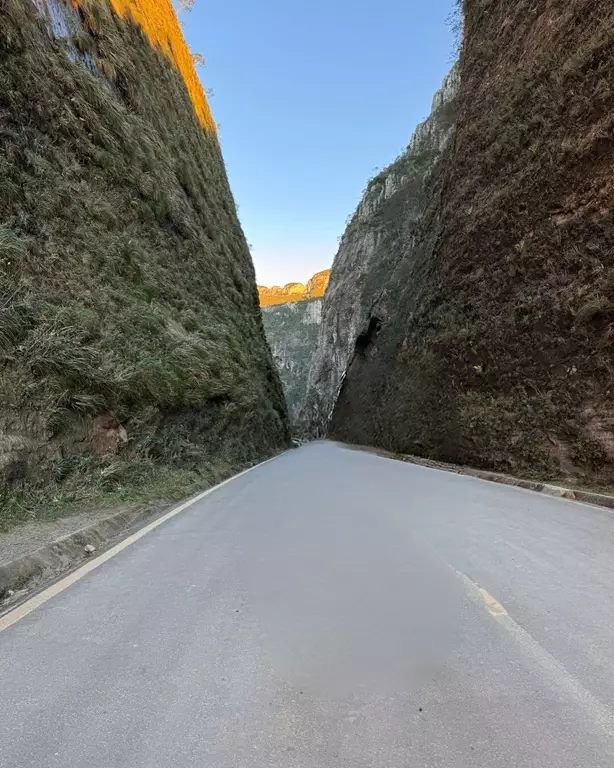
[
  {"x": 316, "y": 287},
  {"x": 161, "y": 25},
  {"x": 290, "y": 292}
]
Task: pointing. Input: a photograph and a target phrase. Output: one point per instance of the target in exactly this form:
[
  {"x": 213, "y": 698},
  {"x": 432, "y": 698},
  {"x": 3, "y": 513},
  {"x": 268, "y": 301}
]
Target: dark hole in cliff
[
  {"x": 14, "y": 472},
  {"x": 222, "y": 399},
  {"x": 366, "y": 339}
]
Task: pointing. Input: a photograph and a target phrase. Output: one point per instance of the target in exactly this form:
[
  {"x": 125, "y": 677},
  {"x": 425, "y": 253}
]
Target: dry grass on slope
[
  {"x": 159, "y": 22},
  {"x": 500, "y": 352},
  {"x": 131, "y": 342}
]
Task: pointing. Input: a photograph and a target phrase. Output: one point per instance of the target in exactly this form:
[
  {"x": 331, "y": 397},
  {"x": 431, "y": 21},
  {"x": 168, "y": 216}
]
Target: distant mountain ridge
[{"x": 314, "y": 289}]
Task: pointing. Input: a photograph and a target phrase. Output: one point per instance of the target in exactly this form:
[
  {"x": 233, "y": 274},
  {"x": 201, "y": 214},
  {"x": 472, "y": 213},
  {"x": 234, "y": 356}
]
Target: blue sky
[{"x": 312, "y": 98}]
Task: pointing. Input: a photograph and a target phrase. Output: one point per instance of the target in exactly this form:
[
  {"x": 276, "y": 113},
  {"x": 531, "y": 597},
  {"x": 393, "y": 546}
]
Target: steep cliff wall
[
  {"x": 498, "y": 351},
  {"x": 377, "y": 245},
  {"x": 314, "y": 289},
  {"x": 292, "y": 332},
  {"x": 131, "y": 341}
]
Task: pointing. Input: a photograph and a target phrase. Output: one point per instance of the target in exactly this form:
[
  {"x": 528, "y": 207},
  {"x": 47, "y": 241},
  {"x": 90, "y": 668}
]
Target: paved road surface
[{"x": 326, "y": 610}]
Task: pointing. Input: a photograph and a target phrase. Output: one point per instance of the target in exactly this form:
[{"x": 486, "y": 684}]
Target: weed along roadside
[{"x": 134, "y": 363}]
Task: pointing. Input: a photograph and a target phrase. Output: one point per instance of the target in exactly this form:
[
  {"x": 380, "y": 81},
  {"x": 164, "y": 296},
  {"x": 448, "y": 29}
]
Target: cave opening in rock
[{"x": 366, "y": 339}]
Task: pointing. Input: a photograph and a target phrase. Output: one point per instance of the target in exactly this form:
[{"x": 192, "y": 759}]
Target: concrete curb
[
  {"x": 560, "y": 492},
  {"x": 51, "y": 560},
  {"x": 35, "y": 570}
]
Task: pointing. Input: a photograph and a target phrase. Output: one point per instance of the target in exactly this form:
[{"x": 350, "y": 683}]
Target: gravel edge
[{"x": 25, "y": 574}]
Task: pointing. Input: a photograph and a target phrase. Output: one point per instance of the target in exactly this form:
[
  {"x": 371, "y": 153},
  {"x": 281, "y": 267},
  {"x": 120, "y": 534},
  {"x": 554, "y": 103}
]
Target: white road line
[
  {"x": 31, "y": 605},
  {"x": 598, "y": 712}
]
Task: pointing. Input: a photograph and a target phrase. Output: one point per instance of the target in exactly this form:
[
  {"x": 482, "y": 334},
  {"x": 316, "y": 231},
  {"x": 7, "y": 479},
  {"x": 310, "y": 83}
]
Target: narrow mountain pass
[{"x": 329, "y": 608}]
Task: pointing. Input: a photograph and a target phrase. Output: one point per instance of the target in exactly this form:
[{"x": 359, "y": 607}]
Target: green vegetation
[
  {"x": 498, "y": 351},
  {"x": 126, "y": 286},
  {"x": 88, "y": 482}
]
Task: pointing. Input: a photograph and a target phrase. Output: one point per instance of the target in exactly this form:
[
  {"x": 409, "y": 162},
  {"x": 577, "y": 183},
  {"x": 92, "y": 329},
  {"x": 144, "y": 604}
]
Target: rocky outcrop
[
  {"x": 488, "y": 338},
  {"x": 380, "y": 235},
  {"x": 292, "y": 332},
  {"x": 315, "y": 289},
  {"x": 131, "y": 340},
  {"x": 292, "y": 317}
]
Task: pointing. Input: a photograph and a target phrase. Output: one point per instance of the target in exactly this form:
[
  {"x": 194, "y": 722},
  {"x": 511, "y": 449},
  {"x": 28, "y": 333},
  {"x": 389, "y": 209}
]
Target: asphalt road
[{"x": 330, "y": 608}]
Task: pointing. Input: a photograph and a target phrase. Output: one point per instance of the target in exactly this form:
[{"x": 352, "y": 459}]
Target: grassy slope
[
  {"x": 126, "y": 286},
  {"x": 500, "y": 355}
]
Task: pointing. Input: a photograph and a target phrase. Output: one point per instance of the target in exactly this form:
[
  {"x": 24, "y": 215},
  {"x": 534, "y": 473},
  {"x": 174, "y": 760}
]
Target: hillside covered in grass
[
  {"x": 131, "y": 340},
  {"x": 489, "y": 341}
]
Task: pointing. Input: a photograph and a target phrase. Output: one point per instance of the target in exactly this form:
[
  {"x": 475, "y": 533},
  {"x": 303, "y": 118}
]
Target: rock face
[
  {"x": 315, "y": 288},
  {"x": 292, "y": 331},
  {"x": 129, "y": 317},
  {"x": 488, "y": 338},
  {"x": 378, "y": 239}
]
